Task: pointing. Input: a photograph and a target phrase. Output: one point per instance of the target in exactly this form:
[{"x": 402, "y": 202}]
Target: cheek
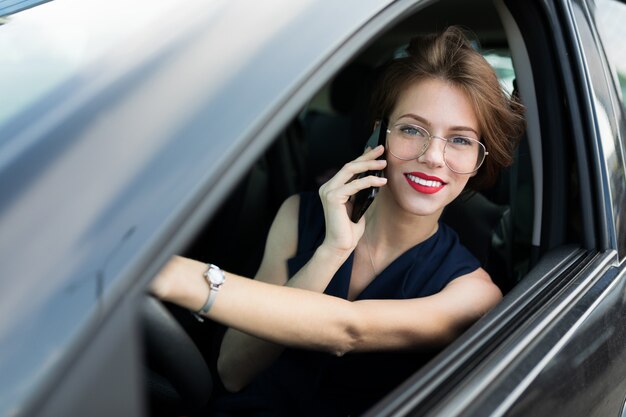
[
  {"x": 395, "y": 165},
  {"x": 394, "y": 171},
  {"x": 460, "y": 182}
]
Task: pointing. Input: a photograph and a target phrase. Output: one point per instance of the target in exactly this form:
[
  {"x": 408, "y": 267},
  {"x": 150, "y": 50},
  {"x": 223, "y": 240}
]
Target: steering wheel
[{"x": 178, "y": 377}]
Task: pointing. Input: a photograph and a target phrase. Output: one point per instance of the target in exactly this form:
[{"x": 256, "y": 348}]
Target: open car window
[{"x": 331, "y": 129}]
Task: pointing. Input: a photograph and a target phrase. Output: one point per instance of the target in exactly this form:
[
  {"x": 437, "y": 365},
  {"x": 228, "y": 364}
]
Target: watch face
[{"x": 216, "y": 276}]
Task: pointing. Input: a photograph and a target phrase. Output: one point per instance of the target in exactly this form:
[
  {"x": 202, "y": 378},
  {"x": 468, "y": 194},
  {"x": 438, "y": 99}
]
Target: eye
[
  {"x": 411, "y": 130},
  {"x": 461, "y": 141}
]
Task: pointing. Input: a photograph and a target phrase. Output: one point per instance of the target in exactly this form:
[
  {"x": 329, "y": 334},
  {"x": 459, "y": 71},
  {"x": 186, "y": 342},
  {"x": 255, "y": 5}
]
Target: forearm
[
  {"x": 282, "y": 315},
  {"x": 318, "y": 272}
]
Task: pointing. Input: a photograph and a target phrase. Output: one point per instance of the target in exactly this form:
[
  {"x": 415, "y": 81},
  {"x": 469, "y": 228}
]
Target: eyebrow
[{"x": 426, "y": 122}]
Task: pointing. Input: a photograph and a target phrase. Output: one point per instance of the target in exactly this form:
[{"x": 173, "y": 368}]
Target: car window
[{"x": 610, "y": 16}]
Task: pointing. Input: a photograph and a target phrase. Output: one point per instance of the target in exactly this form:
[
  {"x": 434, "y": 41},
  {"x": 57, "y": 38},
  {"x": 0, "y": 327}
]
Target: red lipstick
[{"x": 425, "y": 184}]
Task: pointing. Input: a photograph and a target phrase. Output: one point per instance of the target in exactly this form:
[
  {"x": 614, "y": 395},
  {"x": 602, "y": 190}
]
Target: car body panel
[
  {"x": 506, "y": 383},
  {"x": 583, "y": 373}
]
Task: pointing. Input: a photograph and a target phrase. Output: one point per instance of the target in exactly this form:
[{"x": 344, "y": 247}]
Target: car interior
[{"x": 533, "y": 209}]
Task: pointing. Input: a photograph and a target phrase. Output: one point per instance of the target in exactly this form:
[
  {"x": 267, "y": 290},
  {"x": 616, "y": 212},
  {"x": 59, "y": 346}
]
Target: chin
[
  {"x": 422, "y": 206},
  {"x": 427, "y": 210}
]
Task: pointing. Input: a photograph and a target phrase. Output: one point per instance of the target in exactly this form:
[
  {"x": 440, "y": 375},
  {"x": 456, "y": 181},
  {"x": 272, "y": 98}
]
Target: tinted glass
[{"x": 610, "y": 16}]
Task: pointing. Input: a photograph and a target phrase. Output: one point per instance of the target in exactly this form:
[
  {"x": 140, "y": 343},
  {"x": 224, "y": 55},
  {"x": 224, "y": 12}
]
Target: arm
[
  {"x": 332, "y": 324},
  {"x": 243, "y": 356}
]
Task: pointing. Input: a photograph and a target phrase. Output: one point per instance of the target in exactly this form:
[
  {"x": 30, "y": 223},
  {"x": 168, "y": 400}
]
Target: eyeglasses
[{"x": 461, "y": 154}]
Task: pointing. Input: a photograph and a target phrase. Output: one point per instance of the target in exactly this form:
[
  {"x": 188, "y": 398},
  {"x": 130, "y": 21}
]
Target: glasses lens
[
  {"x": 408, "y": 141},
  {"x": 463, "y": 155}
]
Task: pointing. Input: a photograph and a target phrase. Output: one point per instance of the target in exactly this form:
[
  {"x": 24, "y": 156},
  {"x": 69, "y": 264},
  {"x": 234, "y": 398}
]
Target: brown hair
[{"x": 449, "y": 56}]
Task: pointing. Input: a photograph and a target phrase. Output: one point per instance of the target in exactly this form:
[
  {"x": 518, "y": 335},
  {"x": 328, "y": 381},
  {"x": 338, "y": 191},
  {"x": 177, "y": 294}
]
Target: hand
[
  {"x": 181, "y": 282},
  {"x": 164, "y": 282},
  {"x": 342, "y": 235}
]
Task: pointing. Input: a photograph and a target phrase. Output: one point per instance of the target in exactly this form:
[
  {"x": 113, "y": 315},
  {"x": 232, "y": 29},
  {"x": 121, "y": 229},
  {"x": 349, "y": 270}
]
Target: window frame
[{"x": 606, "y": 127}]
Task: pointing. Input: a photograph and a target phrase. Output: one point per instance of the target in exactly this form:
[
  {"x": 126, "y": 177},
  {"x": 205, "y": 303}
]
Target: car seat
[
  {"x": 484, "y": 228},
  {"x": 334, "y": 138}
]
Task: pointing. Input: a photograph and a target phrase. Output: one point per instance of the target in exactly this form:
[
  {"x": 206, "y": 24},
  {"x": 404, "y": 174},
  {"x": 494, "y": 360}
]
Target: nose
[{"x": 433, "y": 155}]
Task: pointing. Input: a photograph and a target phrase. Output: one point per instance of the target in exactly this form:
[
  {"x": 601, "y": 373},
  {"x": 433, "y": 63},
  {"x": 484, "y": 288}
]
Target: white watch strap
[
  {"x": 210, "y": 300},
  {"x": 213, "y": 287},
  {"x": 208, "y": 303}
]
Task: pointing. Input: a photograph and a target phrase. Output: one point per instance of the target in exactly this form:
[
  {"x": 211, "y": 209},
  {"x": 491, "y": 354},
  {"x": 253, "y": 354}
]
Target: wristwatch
[{"x": 215, "y": 277}]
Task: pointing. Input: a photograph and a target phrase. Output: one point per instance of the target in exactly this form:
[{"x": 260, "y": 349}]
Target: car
[{"x": 132, "y": 131}]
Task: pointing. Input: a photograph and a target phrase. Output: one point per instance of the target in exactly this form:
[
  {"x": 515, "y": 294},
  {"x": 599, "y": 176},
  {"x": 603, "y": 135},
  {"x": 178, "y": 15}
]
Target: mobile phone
[{"x": 362, "y": 200}]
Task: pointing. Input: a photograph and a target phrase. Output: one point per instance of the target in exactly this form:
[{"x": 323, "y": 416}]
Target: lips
[{"x": 423, "y": 183}]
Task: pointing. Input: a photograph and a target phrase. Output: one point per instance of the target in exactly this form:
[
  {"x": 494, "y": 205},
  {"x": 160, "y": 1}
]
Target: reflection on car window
[
  {"x": 45, "y": 46},
  {"x": 610, "y": 17},
  {"x": 503, "y": 65}
]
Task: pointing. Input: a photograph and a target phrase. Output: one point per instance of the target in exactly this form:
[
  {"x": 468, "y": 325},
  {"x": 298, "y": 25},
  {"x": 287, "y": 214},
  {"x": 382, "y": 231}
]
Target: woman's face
[{"x": 424, "y": 185}]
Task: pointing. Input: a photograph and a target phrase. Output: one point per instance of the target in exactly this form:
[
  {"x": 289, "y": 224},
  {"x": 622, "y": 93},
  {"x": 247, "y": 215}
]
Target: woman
[{"x": 341, "y": 312}]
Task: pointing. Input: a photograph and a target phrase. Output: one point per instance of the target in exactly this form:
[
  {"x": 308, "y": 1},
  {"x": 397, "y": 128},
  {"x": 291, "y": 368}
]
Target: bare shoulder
[
  {"x": 478, "y": 286},
  {"x": 478, "y": 277},
  {"x": 281, "y": 244},
  {"x": 285, "y": 225},
  {"x": 290, "y": 207}
]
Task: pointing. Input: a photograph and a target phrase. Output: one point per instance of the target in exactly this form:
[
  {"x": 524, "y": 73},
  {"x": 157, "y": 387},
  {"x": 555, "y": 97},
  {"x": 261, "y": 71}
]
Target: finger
[
  {"x": 370, "y": 153},
  {"x": 350, "y": 170},
  {"x": 359, "y": 184},
  {"x": 342, "y": 194}
]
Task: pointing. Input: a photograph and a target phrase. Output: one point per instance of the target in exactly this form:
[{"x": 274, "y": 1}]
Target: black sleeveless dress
[{"x": 308, "y": 383}]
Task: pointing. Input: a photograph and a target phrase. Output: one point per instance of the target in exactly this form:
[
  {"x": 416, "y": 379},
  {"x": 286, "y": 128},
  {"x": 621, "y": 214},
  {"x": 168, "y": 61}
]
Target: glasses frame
[{"x": 430, "y": 137}]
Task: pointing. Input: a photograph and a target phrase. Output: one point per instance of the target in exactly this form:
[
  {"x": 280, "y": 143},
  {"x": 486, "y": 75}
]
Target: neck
[{"x": 391, "y": 228}]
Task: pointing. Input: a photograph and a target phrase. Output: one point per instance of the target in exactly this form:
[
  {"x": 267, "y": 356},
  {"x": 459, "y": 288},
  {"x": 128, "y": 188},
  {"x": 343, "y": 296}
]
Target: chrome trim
[{"x": 569, "y": 300}]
